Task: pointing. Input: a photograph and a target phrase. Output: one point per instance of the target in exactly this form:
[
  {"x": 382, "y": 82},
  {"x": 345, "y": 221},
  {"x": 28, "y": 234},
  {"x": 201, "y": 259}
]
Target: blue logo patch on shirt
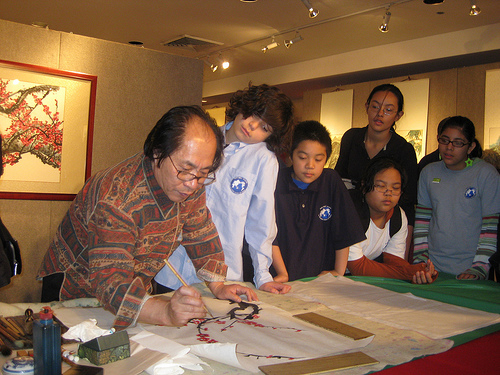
[
  {"x": 470, "y": 192},
  {"x": 325, "y": 213},
  {"x": 238, "y": 185}
]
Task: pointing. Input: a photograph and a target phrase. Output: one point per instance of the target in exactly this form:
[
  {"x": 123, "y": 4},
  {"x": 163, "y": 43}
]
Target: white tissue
[
  {"x": 165, "y": 368},
  {"x": 220, "y": 352},
  {"x": 86, "y": 331},
  {"x": 176, "y": 357},
  {"x": 169, "y": 366}
]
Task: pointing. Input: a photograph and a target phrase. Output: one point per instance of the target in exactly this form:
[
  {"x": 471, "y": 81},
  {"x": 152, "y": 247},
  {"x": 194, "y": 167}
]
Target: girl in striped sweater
[{"x": 458, "y": 205}]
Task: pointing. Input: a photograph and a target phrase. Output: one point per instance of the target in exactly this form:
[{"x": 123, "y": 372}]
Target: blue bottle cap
[{"x": 19, "y": 365}]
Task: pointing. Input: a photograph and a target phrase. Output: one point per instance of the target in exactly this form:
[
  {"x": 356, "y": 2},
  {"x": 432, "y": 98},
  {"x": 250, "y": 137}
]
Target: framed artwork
[
  {"x": 413, "y": 125},
  {"x": 46, "y": 123},
  {"x": 491, "y": 111},
  {"x": 336, "y": 116}
]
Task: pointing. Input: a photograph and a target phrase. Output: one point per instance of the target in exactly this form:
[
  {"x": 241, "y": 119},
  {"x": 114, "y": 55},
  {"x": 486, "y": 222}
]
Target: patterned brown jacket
[{"x": 117, "y": 233}]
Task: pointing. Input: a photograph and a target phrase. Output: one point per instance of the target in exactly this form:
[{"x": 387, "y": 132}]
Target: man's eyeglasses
[
  {"x": 186, "y": 176},
  {"x": 376, "y": 109},
  {"x": 456, "y": 143},
  {"x": 384, "y": 189}
]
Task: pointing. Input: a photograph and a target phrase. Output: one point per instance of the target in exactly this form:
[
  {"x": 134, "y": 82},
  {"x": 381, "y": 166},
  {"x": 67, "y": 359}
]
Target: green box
[{"x": 106, "y": 349}]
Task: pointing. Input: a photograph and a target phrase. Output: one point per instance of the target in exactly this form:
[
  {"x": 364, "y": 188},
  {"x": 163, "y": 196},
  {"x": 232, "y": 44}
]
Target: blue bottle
[{"x": 47, "y": 344}]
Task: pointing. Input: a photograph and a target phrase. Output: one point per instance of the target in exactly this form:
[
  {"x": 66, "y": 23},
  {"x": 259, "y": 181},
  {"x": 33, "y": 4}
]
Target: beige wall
[
  {"x": 451, "y": 92},
  {"x": 135, "y": 87}
]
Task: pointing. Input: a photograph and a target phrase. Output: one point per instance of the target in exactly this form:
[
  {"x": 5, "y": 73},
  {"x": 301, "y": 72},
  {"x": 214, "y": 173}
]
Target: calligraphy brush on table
[{"x": 183, "y": 282}]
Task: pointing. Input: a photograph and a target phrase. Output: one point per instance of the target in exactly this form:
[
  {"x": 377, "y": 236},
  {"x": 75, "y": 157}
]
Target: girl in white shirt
[{"x": 382, "y": 253}]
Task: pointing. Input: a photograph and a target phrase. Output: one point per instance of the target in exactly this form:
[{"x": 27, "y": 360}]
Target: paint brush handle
[
  {"x": 182, "y": 281},
  {"x": 175, "y": 272}
]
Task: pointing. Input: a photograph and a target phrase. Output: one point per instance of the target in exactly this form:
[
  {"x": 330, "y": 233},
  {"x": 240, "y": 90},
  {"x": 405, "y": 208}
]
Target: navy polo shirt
[{"x": 314, "y": 222}]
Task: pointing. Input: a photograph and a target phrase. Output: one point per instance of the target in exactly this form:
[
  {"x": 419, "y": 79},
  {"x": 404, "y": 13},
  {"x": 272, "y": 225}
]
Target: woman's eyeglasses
[
  {"x": 387, "y": 110},
  {"x": 456, "y": 143}
]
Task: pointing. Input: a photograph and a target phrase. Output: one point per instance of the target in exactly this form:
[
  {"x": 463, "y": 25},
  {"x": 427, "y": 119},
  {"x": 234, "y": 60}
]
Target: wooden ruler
[
  {"x": 334, "y": 326},
  {"x": 319, "y": 365}
]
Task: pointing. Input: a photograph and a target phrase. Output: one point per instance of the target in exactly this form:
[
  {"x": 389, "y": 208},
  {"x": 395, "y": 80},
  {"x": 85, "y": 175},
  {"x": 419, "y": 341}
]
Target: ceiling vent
[{"x": 191, "y": 43}]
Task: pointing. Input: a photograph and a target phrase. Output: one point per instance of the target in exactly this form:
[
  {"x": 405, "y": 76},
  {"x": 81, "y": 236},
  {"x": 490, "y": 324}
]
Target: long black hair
[
  {"x": 467, "y": 128},
  {"x": 387, "y": 87},
  {"x": 390, "y": 88}
]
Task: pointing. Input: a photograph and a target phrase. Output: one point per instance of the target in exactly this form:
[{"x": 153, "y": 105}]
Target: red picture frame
[{"x": 77, "y": 92}]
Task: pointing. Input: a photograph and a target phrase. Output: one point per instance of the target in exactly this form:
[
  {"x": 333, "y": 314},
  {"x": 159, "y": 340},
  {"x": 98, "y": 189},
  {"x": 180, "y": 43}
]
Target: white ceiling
[{"x": 244, "y": 28}]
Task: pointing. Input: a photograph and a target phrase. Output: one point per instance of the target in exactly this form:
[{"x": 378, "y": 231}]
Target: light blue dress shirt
[{"x": 241, "y": 202}]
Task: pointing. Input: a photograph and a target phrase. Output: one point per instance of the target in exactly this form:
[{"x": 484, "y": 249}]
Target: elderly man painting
[{"x": 129, "y": 218}]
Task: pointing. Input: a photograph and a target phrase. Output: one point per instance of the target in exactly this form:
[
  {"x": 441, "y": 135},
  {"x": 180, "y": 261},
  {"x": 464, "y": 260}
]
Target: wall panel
[
  {"x": 135, "y": 87},
  {"x": 451, "y": 92}
]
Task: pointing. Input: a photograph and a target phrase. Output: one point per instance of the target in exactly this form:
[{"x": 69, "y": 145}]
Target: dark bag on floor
[{"x": 10, "y": 256}]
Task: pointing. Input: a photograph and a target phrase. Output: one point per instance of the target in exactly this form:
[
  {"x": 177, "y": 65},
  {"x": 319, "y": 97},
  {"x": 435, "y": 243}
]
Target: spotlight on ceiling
[
  {"x": 271, "y": 45},
  {"x": 296, "y": 39},
  {"x": 223, "y": 62},
  {"x": 474, "y": 9},
  {"x": 312, "y": 12},
  {"x": 212, "y": 67},
  {"x": 384, "y": 27}
]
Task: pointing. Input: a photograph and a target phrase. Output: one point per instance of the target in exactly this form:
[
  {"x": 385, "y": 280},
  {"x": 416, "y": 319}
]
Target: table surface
[
  {"x": 475, "y": 294},
  {"x": 481, "y": 295},
  {"x": 472, "y": 352}
]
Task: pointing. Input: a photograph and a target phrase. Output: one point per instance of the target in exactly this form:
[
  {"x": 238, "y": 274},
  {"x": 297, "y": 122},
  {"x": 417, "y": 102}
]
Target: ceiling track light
[
  {"x": 384, "y": 27},
  {"x": 317, "y": 23},
  {"x": 474, "y": 9},
  {"x": 296, "y": 39},
  {"x": 223, "y": 62},
  {"x": 312, "y": 12},
  {"x": 271, "y": 45},
  {"x": 212, "y": 67}
]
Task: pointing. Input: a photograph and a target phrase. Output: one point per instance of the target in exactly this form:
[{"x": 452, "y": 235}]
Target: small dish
[{"x": 19, "y": 366}]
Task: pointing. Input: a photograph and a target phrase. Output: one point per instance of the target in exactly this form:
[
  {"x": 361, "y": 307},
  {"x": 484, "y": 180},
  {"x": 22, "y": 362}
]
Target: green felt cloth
[{"x": 475, "y": 294}]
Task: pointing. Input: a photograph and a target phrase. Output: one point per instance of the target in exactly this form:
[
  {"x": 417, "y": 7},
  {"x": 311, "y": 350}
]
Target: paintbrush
[
  {"x": 182, "y": 281},
  {"x": 13, "y": 329},
  {"x": 8, "y": 333}
]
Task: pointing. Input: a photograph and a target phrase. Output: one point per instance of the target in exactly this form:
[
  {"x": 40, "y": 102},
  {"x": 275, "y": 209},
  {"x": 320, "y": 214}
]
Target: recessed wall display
[
  {"x": 492, "y": 111},
  {"x": 336, "y": 116},
  {"x": 46, "y": 123},
  {"x": 413, "y": 125}
]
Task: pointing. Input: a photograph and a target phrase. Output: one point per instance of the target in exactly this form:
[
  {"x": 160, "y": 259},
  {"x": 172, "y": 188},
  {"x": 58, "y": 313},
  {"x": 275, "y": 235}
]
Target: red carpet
[{"x": 480, "y": 356}]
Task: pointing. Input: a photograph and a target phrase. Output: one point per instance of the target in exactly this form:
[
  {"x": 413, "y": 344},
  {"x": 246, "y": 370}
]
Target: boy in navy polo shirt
[{"x": 316, "y": 219}]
